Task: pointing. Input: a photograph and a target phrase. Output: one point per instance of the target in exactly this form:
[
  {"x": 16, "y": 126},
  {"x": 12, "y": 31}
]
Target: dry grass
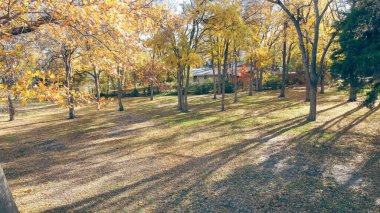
[{"x": 258, "y": 156}]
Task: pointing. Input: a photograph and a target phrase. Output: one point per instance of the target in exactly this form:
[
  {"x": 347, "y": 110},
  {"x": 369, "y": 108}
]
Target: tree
[
  {"x": 179, "y": 37},
  {"x": 226, "y": 25},
  {"x": 306, "y": 35},
  {"x": 10, "y": 13},
  {"x": 7, "y": 204},
  {"x": 284, "y": 64},
  {"x": 356, "y": 61}
]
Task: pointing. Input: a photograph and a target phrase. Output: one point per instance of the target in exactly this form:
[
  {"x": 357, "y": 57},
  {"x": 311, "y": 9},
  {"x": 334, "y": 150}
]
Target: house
[{"x": 205, "y": 74}]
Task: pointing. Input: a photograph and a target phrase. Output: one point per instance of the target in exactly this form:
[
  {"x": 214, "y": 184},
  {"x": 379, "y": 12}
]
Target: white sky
[{"x": 174, "y": 4}]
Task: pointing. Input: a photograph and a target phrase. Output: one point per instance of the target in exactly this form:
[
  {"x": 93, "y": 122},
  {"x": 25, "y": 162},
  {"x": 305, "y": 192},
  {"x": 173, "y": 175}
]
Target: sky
[{"x": 174, "y": 4}]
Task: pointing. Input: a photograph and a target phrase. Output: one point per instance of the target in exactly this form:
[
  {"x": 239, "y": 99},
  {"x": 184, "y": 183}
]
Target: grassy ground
[{"x": 258, "y": 156}]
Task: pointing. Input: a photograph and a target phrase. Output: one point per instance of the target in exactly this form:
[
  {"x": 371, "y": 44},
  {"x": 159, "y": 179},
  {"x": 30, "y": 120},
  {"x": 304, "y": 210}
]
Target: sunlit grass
[{"x": 259, "y": 155}]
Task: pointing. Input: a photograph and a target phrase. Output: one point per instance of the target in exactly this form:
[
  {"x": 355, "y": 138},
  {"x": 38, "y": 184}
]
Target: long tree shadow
[
  {"x": 170, "y": 189},
  {"x": 185, "y": 186}
]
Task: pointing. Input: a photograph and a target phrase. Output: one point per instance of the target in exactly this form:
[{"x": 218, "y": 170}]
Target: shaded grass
[{"x": 258, "y": 156}]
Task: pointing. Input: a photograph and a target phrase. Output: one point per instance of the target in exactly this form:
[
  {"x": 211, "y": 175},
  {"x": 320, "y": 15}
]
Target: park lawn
[{"x": 260, "y": 155}]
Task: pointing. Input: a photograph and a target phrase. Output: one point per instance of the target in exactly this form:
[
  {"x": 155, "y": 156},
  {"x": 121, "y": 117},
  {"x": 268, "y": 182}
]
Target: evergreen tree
[{"x": 357, "y": 60}]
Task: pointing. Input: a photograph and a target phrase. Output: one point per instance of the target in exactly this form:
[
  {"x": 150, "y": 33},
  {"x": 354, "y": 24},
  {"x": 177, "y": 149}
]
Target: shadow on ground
[{"x": 259, "y": 156}]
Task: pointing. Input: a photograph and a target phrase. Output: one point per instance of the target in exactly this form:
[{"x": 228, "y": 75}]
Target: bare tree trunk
[
  {"x": 312, "y": 75},
  {"x": 11, "y": 108},
  {"x": 250, "y": 92},
  {"x": 108, "y": 86},
  {"x": 225, "y": 68},
  {"x": 353, "y": 93},
  {"x": 307, "y": 94},
  {"x": 322, "y": 81},
  {"x": 151, "y": 91},
  {"x": 187, "y": 84},
  {"x": 97, "y": 86},
  {"x": 313, "y": 101},
  {"x": 257, "y": 79},
  {"x": 120, "y": 88},
  {"x": 213, "y": 75},
  {"x": 70, "y": 92},
  {"x": 236, "y": 79},
  {"x": 67, "y": 54},
  {"x": 322, "y": 62},
  {"x": 219, "y": 76},
  {"x": 260, "y": 83},
  {"x": 283, "y": 85},
  {"x": 7, "y": 203},
  {"x": 180, "y": 87}
]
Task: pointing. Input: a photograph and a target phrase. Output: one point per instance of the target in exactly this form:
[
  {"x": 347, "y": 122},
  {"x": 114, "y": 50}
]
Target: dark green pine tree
[{"x": 357, "y": 60}]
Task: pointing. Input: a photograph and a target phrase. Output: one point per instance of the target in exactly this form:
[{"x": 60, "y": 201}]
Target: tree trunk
[
  {"x": 225, "y": 68},
  {"x": 213, "y": 75},
  {"x": 187, "y": 84},
  {"x": 257, "y": 79},
  {"x": 307, "y": 94},
  {"x": 97, "y": 86},
  {"x": 322, "y": 82},
  {"x": 322, "y": 62},
  {"x": 236, "y": 79},
  {"x": 283, "y": 84},
  {"x": 250, "y": 91},
  {"x": 7, "y": 204},
  {"x": 151, "y": 91},
  {"x": 179, "y": 87},
  {"x": 353, "y": 93},
  {"x": 313, "y": 102},
  {"x": 219, "y": 76},
  {"x": 70, "y": 88},
  {"x": 108, "y": 86},
  {"x": 260, "y": 84},
  {"x": 120, "y": 88},
  {"x": 11, "y": 108}
]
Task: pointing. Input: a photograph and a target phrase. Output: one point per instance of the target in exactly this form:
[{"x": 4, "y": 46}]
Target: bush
[
  {"x": 147, "y": 91},
  {"x": 229, "y": 87},
  {"x": 372, "y": 96},
  {"x": 134, "y": 93},
  {"x": 200, "y": 89},
  {"x": 170, "y": 93},
  {"x": 273, "y": 82}
]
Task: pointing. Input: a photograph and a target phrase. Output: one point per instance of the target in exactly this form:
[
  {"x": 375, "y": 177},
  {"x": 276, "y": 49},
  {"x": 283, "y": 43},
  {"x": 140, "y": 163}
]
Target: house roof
[
  {"x": 207, "y": 71},
  {"x": 204, "y": 71}
]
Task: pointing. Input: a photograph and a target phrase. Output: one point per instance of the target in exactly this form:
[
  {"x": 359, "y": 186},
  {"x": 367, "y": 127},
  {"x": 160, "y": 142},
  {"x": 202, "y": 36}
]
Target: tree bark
[
  {"x": 323, "y": 65},
  {"x": 7, "y": 203},
  {"x": 187, "y": 84},
  {"x": 313, "y": 102},
  {"x": 307, "y": 93},
  {"x": 219, "y": 76},
  {"x": 70, "y": 88},
  {"x": 120, "y": 88},
  {"x": 108, "y": 86},
  {"x": 283, "y": 84},
  {"x": 179, "y": 87},
  {"x": 213, "y": 75},
  {"x": 97, "y": 86},
  {"x": 250, "y": 91},
  {"x": 311, "y": 74},
  {"x": 67, "y": 54},
  {"x": 151, "y": 91},
  {"x": 225, "y": 68},
  {"x": 11, "y": 108},
  {"x": 322, "y": 79},
  {"x": 236, "y": 79},
  {"x": 260, "y": 83},
  {"x": 353, "y": 93}
]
